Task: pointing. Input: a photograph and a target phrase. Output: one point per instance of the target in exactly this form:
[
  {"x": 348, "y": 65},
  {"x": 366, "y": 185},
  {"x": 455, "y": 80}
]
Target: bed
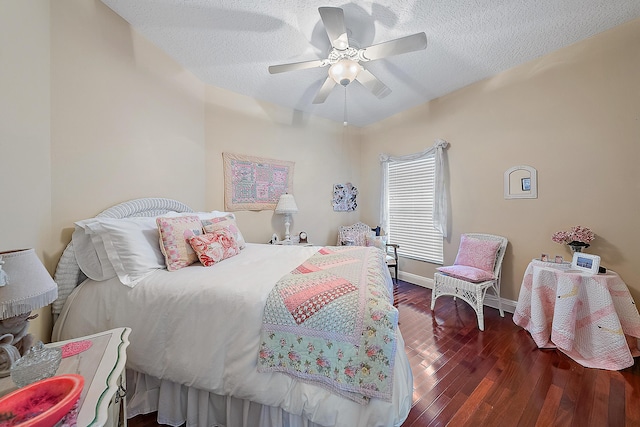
[{"x": 200, "y": 351}]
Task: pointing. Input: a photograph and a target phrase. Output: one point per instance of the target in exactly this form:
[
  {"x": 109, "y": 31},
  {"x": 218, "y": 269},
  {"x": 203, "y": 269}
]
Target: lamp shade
[
  {"x": 25, "y": 284},
  {"x": 286, "y": 204}
]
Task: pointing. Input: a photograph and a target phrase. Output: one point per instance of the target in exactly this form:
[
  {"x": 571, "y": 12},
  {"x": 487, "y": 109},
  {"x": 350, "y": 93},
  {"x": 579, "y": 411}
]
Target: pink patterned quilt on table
[
  {"x": 591, "y": 318},
  {"x": 332, "y": 322}
]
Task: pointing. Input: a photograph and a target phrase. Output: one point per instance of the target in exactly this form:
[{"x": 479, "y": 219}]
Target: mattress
[{"x": 200, "y": 327}]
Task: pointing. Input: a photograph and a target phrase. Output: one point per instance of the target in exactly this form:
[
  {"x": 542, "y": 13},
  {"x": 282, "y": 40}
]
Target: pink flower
[
  {"x": 350, "y": 371},
  {"x": 265, "y": 353},
  {"x": 372, "y": 350},
  {"x": 323, "y": 362},
  {"x": 560, "y": 237},
  {"x": 576, "y": 234},
  {"x": 293, "y": 356},
  {"x": 377, "y": 315},
  {"x": 225, "y": 238}
]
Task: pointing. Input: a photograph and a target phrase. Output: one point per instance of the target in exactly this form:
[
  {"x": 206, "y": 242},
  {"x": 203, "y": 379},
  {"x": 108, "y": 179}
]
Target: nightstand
[
  {"x": 102, "y": 402},
  {"x": 294, "y": 243}
]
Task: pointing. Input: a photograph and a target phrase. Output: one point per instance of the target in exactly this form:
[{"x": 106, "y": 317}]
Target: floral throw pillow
[
  {"x": 470, "y": 274},
  {"x": 228, "y": 222},
  {"x": 477, "y": 253},
  {"x": 175, "y": 233},
  {"x": 213, "y": 247}
]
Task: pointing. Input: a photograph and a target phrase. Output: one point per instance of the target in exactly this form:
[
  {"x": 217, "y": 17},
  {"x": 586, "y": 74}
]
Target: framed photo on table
[{"x": 586, "y": 262}]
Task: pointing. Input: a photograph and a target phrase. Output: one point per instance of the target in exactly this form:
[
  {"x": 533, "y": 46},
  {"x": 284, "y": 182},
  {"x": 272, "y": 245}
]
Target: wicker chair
[
  {"x": 471, "y": 292},
  {"x": 356, "y": 235}
]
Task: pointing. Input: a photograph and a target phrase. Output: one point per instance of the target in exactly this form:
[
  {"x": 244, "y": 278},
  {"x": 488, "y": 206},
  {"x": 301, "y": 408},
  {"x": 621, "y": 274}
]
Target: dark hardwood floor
[{"x": 464, "y": 377}]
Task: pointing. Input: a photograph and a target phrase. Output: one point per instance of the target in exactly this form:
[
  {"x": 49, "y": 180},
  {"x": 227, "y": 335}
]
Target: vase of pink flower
[{"x": 578, "y": 238}]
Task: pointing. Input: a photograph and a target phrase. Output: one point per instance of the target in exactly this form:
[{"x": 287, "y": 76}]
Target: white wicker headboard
[{"x": 68, "y": 275}]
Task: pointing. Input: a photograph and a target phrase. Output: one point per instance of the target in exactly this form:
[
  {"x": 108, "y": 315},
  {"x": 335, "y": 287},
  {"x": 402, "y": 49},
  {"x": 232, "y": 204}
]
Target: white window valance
[{"x": 440, "y": 210}]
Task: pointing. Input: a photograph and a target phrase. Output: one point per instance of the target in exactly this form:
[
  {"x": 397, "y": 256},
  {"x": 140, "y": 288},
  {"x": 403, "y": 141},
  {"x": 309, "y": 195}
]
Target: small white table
[
  {"x": 592, "y": 318},
  {"x": 102, "y": 401}
]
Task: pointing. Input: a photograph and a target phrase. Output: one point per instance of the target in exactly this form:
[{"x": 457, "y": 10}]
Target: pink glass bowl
[{"x": 42, "y": 403}]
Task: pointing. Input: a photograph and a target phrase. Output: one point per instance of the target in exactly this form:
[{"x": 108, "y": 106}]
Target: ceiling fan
[{"x": 344, "y": 61}]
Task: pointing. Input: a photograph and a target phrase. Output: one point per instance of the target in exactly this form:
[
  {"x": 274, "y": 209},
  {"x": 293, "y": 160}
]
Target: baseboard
[
  {"x": 425, "y": 282},
  {"x": 489, "y": 300}
]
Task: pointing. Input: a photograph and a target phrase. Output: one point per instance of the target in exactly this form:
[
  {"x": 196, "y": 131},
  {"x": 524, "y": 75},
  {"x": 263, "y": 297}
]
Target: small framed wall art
[
  {"x": 521, "y": 182},
  {"x": 344, "y": 197}
]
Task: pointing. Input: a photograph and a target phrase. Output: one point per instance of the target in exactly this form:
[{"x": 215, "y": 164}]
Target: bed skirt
[
  {"x": 178, "y": 405},
  {"x": 146, "y": 394}
]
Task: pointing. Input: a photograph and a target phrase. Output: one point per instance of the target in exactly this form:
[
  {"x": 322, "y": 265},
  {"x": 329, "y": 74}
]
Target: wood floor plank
[
  {"x": 445, "y": 415},
  {"x": 479, "y": 416},
  {"x": 585, "y": 399},
  {"x": 549, "y": 407},
  {"x": 472, "y": 403},
  {"x": 599, "y": 410},
  {"x": 465, "y": 377},
  {"x": 526, "y": 378},
  {"x": 632, "y": 394}
]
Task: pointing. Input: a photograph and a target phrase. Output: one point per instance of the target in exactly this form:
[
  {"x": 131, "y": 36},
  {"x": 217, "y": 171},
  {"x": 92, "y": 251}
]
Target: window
[{"x": 410, "y": 204}]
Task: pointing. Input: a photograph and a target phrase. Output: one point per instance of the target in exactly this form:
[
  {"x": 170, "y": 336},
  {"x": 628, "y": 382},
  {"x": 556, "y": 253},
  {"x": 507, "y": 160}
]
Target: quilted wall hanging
[
  {"x": 344, "y": 197},
  {"x": 254, "y": 183}
]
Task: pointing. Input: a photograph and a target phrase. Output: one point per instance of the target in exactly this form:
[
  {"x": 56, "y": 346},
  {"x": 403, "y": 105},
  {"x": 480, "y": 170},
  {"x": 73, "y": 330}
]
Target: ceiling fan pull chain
[{"x": 344, "y": 123}]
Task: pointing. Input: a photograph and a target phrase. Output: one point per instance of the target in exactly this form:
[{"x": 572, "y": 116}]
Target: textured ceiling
[{"x": 231, "y": 43}]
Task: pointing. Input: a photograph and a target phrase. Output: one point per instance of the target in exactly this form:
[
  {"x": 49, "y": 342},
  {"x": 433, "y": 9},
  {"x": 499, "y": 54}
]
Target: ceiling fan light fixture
[{"x": 344, "y": 71}]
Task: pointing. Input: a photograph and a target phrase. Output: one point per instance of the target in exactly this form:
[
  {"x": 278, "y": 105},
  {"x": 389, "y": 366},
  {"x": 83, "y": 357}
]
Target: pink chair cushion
[
  {"x": 463, "y": 272},
  {"x": 477, "y": 253}
]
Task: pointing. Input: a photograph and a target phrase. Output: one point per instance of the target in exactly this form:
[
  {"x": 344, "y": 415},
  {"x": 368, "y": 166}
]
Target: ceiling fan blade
[
  {"x": 274, "y": 69},
  {"x": 372, "y": 83},
  {"x": 324, "y": 91},
  {"x": 333, "y": 20},
  {"x": 396, "y": 47}
]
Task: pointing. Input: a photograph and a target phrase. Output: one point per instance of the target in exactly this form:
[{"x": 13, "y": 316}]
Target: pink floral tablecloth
[{"x": 591, "y": 318}]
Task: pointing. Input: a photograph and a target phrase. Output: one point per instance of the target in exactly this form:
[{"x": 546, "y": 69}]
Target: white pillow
[
  {"x": 207, "y": 215},
  {"x": 131, "y": 246},
  {"x": 90, "y": 253}
]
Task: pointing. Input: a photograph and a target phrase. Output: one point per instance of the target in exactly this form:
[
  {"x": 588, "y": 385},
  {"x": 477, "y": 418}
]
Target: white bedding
[{"x": 200, "y": 326}]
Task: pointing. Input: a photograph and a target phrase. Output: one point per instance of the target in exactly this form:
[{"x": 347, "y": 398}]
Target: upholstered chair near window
[
  {"x": 476, "y": 269},
  {"x": 360, "y": 234}
]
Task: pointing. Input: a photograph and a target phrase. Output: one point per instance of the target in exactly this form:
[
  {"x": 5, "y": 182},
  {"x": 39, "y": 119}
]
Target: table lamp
[
  {"x": 25, "y": 285},
  {"x": 286, "y": 206}
]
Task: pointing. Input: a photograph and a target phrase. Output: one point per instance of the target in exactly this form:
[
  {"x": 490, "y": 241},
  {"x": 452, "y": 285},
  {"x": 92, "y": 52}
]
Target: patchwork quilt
[{"x": 331, "y": 321}]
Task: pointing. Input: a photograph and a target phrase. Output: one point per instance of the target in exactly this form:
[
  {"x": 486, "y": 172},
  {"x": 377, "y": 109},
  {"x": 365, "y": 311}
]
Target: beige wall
[
  {"x": 574, "y": 116},
  {"x": 25, "y": 169},
  {"x": 325, "y": 153},
  {"x": 127, "y": 121}
]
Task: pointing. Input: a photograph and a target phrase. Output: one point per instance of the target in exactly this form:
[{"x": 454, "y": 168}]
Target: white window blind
[{"x": 411, "y": 191}]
